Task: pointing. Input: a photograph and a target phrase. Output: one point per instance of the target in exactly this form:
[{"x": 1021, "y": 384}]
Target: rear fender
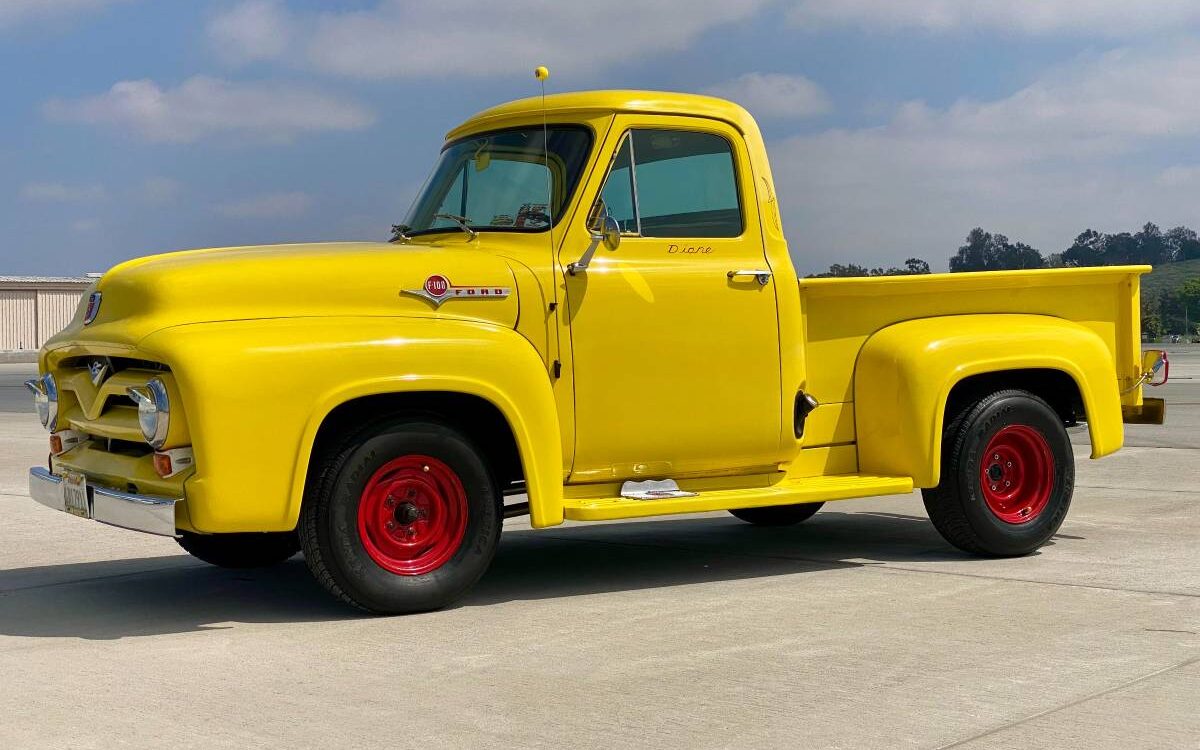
[{"x": 905, "y": 373}]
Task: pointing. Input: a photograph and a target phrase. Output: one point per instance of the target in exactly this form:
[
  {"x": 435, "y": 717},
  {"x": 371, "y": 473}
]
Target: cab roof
[{"x": 642, "y": 102}]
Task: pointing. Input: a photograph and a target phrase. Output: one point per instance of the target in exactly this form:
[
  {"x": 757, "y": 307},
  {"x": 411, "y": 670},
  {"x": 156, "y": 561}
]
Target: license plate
[{"x": 75, "y": 495}]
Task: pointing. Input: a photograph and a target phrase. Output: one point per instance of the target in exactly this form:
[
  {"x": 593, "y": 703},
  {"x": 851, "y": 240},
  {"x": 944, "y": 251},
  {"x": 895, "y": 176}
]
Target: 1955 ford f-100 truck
[{"x": 592, "y": 303}]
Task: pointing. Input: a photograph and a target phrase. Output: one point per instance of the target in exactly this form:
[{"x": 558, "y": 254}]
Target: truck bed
[{"x": 840, "y": 314}]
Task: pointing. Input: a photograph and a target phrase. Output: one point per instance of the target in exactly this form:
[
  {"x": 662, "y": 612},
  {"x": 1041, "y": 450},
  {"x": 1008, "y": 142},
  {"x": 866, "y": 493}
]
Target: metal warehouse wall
[
  {"x": 54, "y": 311},
  {"x": 18, "y": 320},
  {"x": 32, "y": 309}
]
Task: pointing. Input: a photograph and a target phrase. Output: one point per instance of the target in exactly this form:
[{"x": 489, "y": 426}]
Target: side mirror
[
  {"x": 606, "y": 230},
  {"x": 609, "y": 232},
  {"x": 1154, "y": 363}
]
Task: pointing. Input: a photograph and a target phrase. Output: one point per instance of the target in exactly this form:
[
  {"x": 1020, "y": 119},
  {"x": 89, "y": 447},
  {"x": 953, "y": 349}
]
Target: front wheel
[
  {"x": 1008, "y": 473},
  {"x": 402, "y": 517}
]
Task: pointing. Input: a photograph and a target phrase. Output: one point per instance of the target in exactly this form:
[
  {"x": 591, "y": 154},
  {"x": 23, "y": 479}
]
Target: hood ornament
[{"x": 437, "y": 289}]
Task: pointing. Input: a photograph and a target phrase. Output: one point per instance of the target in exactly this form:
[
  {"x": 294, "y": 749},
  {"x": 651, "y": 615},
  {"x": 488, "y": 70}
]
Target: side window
[
  {"x": 686, "y": 185},
  {"x": 617, "y": 196}
]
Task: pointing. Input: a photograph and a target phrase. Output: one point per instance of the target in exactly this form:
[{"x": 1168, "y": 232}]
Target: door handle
[{"x": 762, "y": 277}]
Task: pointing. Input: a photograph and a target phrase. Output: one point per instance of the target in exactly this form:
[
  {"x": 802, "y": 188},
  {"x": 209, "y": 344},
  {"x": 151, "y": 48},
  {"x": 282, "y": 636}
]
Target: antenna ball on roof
[{"x": 541, "y": 72}]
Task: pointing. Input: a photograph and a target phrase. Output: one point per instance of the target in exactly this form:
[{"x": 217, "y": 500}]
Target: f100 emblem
[{"x": 437, "y": 289}]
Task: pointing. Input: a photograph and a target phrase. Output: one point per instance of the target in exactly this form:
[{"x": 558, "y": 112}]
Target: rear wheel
[
  {"x": 778, "y": 515},
  {"x": 1008, "y": 473},
  {"x": 241, "y": 550},
  {"x": 400, "y": 518}
]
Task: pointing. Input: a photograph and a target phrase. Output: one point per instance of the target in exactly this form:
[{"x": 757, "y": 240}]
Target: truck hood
[{"x": 310, "y": 280}]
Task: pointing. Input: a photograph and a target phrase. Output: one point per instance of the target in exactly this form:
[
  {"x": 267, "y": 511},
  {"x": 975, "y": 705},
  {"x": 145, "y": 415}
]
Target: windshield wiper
[
  {"x": 398, "y": 233},
  {"x": 461, "y": 221}
]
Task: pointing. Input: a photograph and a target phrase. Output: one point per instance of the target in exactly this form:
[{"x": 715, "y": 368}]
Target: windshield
[{"x": 500, "y": 182}]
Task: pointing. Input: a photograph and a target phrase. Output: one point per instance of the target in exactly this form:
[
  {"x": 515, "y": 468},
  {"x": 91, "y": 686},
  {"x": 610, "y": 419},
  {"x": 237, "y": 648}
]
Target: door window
[{"x": 673, "y": 183}]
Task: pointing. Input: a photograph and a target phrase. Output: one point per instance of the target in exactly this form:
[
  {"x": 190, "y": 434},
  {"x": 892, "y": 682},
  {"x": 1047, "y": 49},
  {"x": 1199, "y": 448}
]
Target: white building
[{"x": 34, "y": 308}]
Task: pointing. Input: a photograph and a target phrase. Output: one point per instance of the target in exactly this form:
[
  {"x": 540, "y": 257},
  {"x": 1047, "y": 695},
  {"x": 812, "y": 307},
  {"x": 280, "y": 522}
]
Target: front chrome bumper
[{"x": 148, "y": 513}]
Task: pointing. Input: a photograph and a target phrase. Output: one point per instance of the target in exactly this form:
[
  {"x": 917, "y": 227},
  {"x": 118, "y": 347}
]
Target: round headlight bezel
[
  {"x": 45, "y": 400},
  {"x": 154, "y": 412}
]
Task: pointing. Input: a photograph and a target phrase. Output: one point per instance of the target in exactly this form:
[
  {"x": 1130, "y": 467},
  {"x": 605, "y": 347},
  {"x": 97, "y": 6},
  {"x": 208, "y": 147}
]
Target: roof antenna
[{"x": 541, "y": 73}]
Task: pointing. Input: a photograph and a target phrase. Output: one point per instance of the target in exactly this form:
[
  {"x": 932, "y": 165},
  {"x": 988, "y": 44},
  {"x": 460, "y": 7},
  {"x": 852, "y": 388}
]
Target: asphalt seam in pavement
[
  {"x": 1071, "y": 704},
  {"x": 893, "y": 568}
]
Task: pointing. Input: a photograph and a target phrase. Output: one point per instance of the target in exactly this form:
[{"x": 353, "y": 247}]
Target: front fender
[
  {"x": 257, "y": 391},
  {"x": 905, "y": 373}
]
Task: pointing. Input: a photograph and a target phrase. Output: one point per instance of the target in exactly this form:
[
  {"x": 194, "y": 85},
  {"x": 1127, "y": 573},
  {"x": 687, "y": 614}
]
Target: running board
[{"x": 788, "y": 492}]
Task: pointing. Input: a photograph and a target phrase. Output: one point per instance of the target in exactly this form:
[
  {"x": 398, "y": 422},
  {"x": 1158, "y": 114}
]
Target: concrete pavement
[{"x": 858, "y": 629}]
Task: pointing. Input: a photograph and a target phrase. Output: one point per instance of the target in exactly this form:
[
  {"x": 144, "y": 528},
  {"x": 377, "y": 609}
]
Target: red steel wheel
[
  {"x": 1008, "y": 474},
  {"x": 1016, "y": 474},
  {"x": 412, "y": 515}
]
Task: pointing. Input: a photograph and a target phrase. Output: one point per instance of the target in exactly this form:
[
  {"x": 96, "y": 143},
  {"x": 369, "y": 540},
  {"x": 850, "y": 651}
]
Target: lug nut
[
  {"x": 425, "y": 468},
  {"x": 391, "y": 525},
  {"x": 390, "y": 502}
]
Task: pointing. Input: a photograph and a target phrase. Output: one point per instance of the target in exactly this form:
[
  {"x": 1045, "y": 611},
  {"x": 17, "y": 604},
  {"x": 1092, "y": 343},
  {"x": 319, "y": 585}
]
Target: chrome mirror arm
[
  {"x": 609, "y": 234},
  {"x": 586, "y": 258}
]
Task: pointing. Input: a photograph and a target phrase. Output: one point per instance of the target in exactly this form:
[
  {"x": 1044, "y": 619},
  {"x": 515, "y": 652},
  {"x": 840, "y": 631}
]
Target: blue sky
[{"x": 895, "y": 126}]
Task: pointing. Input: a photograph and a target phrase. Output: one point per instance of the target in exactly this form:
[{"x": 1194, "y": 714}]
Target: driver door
[{"x": 675, "y": 362}]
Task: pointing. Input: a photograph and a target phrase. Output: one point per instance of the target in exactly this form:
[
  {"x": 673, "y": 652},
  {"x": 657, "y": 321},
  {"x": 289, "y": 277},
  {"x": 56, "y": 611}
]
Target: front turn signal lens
[
  {"x": 64, "y": 440},
  {"x": 171, "y": 462}
]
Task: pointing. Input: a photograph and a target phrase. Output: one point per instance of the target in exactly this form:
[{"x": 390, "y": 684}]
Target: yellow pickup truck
[{"x": 590, "y": 305}]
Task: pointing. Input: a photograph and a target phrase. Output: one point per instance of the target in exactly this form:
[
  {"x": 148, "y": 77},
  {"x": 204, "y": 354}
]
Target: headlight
[
  {"x": 45, "y": 399},
  {"x": 154, "y": 412}
]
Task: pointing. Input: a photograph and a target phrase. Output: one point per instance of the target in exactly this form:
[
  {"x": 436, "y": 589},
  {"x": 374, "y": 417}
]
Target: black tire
[
  {"x": 968, "y": 514},
  {"x": 778, "y": 515},
  {"x": 336, "y": 548},
  {"x": 241, "y": 550}
]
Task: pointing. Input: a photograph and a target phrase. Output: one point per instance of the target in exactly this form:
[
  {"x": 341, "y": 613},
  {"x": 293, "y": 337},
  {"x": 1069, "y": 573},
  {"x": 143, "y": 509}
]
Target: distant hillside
[{"x": 1170, "y": 276}]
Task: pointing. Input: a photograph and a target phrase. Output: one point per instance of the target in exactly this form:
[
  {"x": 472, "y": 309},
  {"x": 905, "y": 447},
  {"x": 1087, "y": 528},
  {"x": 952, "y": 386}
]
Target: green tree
[
  {"x": 1120, "y": 249},
  {"x": 1087, "y": 250},
  {"x": 976, "y": 254},
  {"x": 1182, "y": 243},
  {"x": 1189, "y": 296},
  {"x": 915, "y": 267},
  {"x": 1152, "y": 247},
  {"x": 993, "y": 252},
  {"x": 1152, "y": 328},
  {"x": 1021, "y": 255},
  {"x": 912, "y": 267}
]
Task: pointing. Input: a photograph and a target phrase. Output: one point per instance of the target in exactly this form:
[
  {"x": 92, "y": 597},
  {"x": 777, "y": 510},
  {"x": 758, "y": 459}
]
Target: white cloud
[
  {"x": 203, "y": 106},
  {"x": 59, "y": 192},
  {"x": 1064, "y": 153},
  {"x": 775, "y": 95},
  {"x": 253, "y": 30},
  {"x": 1109, "y": 17},
  {"x": 395, "y": 38},
  {"x": 269, "y": 206},
  {"x": 14, "y": 12}
]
